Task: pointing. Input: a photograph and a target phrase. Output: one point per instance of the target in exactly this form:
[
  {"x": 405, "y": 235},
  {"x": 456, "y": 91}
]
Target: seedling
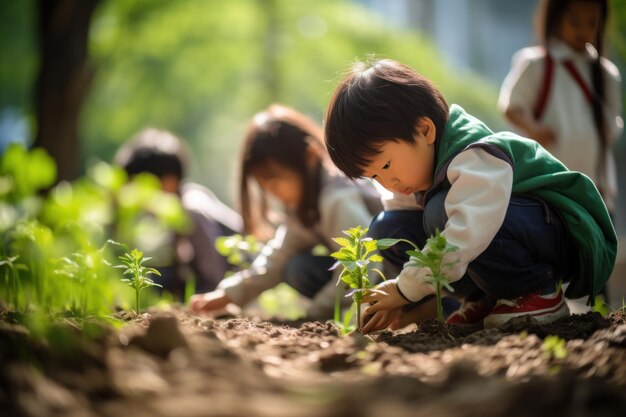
[
  {"x": 12, "y": 278},
  {"x": 356, "y": 255},
  {"x": 431, "y": 257},
  {"x": 554, "y": 348},
  {"x": 344, "y": 324},
  {"x": 600, "y": 306},
  {"x": 133, "y": 262}
]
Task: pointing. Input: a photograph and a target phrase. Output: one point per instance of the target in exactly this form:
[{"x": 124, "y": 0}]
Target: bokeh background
[{"x": 80, "y": 77}]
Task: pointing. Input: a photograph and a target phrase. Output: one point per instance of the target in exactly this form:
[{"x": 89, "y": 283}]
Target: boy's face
[{"x": 405, "y": 168}]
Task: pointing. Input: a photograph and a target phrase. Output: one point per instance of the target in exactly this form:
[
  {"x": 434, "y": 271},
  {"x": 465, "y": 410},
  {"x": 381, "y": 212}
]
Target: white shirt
[
  {"x": 567, "y": 110},
  {"x": 476, "y": 205}
]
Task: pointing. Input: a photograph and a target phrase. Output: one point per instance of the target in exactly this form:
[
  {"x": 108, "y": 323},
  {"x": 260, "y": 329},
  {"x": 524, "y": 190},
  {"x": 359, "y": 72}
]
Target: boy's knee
[
  {"x": 378, "y": 226},
  {"x": 391, "y": 223}
]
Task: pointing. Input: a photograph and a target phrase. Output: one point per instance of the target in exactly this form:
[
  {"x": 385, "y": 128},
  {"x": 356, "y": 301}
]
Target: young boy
[
  {"x": 521, "y": 221},
  {"x": 181, "y": 256}
]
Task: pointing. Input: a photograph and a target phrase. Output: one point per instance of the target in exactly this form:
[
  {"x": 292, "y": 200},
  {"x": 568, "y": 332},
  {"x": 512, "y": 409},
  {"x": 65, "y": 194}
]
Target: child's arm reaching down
[{"x": 475, "y": 205}]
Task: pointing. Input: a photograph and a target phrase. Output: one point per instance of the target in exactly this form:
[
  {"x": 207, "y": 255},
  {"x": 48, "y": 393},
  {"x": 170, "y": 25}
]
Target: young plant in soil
[
  {"x": 132, "y": 263},
  {"x": 355, "y": 255},
  {"x": 344, "y": 325},
  {"x": 431, "y": 257},
  {"x": 12, "y": 282}
]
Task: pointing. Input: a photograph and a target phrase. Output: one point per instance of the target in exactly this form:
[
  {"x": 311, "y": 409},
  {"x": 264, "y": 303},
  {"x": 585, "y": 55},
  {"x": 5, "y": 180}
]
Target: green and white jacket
[{"x": 481, "y": 170}]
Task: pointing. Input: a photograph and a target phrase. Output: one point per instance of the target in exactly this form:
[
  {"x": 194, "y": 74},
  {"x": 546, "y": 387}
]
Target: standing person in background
[
  {"x": 162, "y": 154},
  {"x": 284, "y": 165},
  {"x": 565, "y": 93}
]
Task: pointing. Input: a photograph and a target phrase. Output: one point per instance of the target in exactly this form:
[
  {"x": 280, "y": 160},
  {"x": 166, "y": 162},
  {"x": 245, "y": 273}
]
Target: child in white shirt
[{"x": 565, "y": 94}]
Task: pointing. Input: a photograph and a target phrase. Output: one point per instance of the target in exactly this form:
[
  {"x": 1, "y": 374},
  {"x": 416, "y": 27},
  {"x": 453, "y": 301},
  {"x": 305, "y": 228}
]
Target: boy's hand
[
  {"x": 208, "y": 302},
  {"x": 385, "y": 296},
  {"x": 381, "y": 320},
  {"x": 384, "y": 310}
]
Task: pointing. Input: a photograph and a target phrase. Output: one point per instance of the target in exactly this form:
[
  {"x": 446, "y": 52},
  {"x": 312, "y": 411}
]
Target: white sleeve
[
  {"x": 476, "y": 204},
  {"x": 521, "y": 86},
  {"x": 267, "y": 269}
]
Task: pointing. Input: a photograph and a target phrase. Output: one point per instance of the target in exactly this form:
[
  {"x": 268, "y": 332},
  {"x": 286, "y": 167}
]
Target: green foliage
[
  {"x": 238, "y": 250},
  {"x": 12, "y": 284},
  {"x": 219, "y": 62},
  {"x": 282, "y": 301},
  {"x": 25, "y": 172},
  {"x": 554, "y": 347},
  {"x": 132, "y": 264},
  {"x": 356, "y": 254},
  {"x": 18, "y": 43},
  {"x": 431, "y": 257},
  {"x": 600, "y": 306},
  {"x": 344, "y": 325},
  {"x": 54, "y": 257}
]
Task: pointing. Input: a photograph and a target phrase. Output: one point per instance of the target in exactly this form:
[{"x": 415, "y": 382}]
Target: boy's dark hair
[
  {"x": 154, "y": 151},
  {"x": 283, "y": 136},
  {"x": 547, "y": 19},
  {"x": 378, "y": 101}
]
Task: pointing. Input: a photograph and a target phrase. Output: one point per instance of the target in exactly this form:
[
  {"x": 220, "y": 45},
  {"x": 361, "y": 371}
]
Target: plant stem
[
  {"x": 439, "y": 305},
  {"x": 360, "y": 286},
  {"x": 15, "y": 289},
  {"x": 337, "y": 313}
]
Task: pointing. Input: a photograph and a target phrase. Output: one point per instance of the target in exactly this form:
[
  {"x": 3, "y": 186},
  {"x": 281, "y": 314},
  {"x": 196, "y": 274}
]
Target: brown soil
[{"x": 172, "y": 363}]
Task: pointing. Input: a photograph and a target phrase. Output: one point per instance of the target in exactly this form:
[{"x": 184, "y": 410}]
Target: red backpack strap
[
  {"x": 569, "y": 66},
  {"x": 542, "y": 99}
]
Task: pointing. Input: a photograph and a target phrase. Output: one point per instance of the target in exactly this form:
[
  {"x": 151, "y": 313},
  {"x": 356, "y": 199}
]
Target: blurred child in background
[
  {"x": 284, "y": 166},
  {"x": 182, "y": 256},
  {"x": 521, "y": 221},
  {"x": 565, "y": 93}
]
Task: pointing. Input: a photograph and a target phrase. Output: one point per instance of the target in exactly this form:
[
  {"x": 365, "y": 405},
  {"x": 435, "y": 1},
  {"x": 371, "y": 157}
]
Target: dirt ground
[{"x": 172, "y": 363}]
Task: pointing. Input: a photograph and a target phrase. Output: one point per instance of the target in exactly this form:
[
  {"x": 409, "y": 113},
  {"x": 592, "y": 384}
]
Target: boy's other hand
[{"x": 208, "y": 302}]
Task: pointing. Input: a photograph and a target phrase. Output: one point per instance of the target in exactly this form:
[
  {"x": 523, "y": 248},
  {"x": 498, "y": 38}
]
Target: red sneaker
[
  {"x": 544, "y": 308},
  {"x": 471, "y": 313}
]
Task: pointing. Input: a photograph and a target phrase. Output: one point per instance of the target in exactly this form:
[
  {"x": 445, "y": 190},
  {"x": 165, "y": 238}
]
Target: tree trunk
[{"x": 64, "y": 79}]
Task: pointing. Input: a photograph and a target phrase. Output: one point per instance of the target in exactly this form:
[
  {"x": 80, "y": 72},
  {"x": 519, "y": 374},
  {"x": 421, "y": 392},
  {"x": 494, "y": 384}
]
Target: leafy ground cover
[{"x": 169, "y": 362}]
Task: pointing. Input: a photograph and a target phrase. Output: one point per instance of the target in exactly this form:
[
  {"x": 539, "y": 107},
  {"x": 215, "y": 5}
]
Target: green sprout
[
  {"x": 12, "y": 278},
  {"x": 344, "y": 324},
  {"x": 600, "y": 306},
  {"x": 355, "y": 255},
  {"x": 132, "y": 262},
  {"x": 431, "y": 257},
  {"x": 554, "y": 347}
]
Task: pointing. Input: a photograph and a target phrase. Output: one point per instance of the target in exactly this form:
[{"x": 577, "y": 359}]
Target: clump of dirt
[{"x": 173, "y": 363}]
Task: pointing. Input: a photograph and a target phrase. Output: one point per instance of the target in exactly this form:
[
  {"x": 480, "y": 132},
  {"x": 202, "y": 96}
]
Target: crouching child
[{"x": 522, "y": 221}]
